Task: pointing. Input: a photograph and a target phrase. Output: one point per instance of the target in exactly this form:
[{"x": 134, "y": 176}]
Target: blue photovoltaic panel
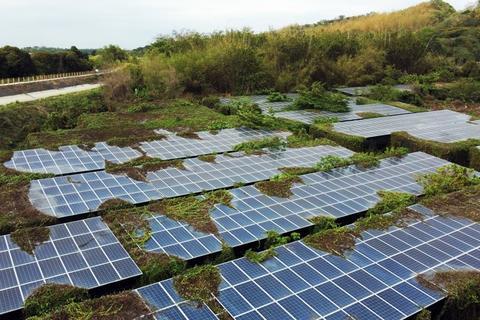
[
  {"x": 340, "y": 193},
  {"x": 69, "y": 159},
  {"x": 374, "y": 281},
  {"x": 309, "y": 117},
  {"x": 441, "y": 126},
  {"x": 174, "y": 147},
  {"x": 358, "y": 91},
  {"x": 166, "y": 304},
  {"x": 82, "y": 193},
  {"x": 179, "y": 239},
  {"x": 83, "y": 253}
]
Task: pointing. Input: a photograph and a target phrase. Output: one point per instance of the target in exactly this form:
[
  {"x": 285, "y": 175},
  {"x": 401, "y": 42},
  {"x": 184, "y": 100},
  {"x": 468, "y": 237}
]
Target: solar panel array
[
  {"x": 69, "y": 159},
  {"x": 83, "y": 253},
  {"x": 441, "y": 126},
  {"x": 376, "y": 280},
  {"x": 340, "y": 193},
  {"x": 83, "y": 193},
  {"x": 309, "y": 117},
  {"x": 358, "y": 91},
  {"x": 174, "y": 146},
  {"x": 264, "y": 104}
]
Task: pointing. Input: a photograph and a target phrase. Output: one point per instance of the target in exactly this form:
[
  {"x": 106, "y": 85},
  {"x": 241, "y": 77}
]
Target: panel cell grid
[
  {"x": 82, "y": 193},
  {"x": 69, "y": 159},
  {"x": 303, "y": 283},
  {"x": 83, "y": 253},
  {"x": 442, "y": 126},
  {"x": 174, "y": 147},
  {"x": 338, "y": 194},
  {"x": 377, "y": 286},
  {"x": 309, "y": 117}
]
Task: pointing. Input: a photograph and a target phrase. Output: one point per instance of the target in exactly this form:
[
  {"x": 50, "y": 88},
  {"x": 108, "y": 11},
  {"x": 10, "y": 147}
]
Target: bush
[
  {"x": 384, "y": 93},
  {"x": 391, "y": 201},
  {"x": 250, "y": 116},
  {"x": 277, "y": 97},
  {"x": 447, "y": 179},
  {"x": 331, "y": 162},
  {"x": 317, "y": 97}
]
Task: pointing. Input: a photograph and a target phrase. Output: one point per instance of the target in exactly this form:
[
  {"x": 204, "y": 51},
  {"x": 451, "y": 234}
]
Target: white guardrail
[{"x": 46, "y": 77}]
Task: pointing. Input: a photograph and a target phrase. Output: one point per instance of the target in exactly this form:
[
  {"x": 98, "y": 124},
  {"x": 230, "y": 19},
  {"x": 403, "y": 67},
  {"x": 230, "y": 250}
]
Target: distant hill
[{"x": 413, "y": 18}]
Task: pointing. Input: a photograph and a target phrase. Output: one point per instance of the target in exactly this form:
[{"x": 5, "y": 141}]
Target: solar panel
[
  {"x": 83, "y": 193},
  {"x": 358, "y": 91},
  {"x": 309, "y": 117},
  {"x": 441, "y": 126},
  {"x": 69, "y": 159},
  {"x": 82, "y": 253},
  {"x": 374, "y": 281},
  {"x": 166, "y": 304},
  {"x": 174, "y": 146},
  {"x": 340, "y": 193}
]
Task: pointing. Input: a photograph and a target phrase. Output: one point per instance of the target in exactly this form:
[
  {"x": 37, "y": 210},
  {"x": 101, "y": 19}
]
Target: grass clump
[
  {"x": 29, "y": 238},
  {"x": 303, "y": 139},
  {"x": 369, "y": 115},
  {"x": 274, "y": 240},
  {"x": 199, "y": 284},
  {"x": 50, "y": 297},
  {"x": 317, "y": 97},
  {"x": 364, "y": 100},
  {"x": 327, "y": 130},
  {"x": 297, "y": 171},
  {"x": 390, "y": 201},
  {"x": 125, "y": 305},
  {"x": 138, "y": 169},
  {"x": 365, "y": 159},
  {"x": 277, "y": 97},
  {"x": 211, "y": 158},
  {"x": 424, "y": 315},
  {"x": 322, "y": 223},
  {"x": 447, "y": 179},
  {"x": 193, "y": 210},
  {"x": 335, "y": 241},
  {"x": 256, "y": 146},
  {"x": 331, "y": 162},
  {"x": 279, "y": 185},
  {"x": 395, "y": 152},
  {"x": 462, "y": 288},
  {"x": 462, "y": 203}
]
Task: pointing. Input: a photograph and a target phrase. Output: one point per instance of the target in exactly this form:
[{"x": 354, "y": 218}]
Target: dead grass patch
[
  {"x": 138, "y": 169},
  {"x": 29, "y": 238},
  {"x": 278, "y": 187},
  {"x": 211, "y": 158},
  {"x": 198, "y": 284}
]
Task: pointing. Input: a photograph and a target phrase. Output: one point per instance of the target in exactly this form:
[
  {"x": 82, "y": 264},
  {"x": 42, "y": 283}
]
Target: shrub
[
  {"x": 250, "y": 116},
  {"x": 365, "y": 159},
  {"x": 391, "y": 201},
  {"x": 277, "y": 97},
  {"x": 447, "y": 179},
  {"x": 317, "y": 97},
  {"x": 331, "y": 162},
  {"x": 271, "y": 143}
]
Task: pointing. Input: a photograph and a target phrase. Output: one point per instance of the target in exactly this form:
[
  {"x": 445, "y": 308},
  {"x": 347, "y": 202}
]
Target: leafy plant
[
  {"x": 447, "y": 179},
  {"x": 330, "y": 162},
  {"x": 317, "y": 97},
  {"x": 277, "y": 97}
]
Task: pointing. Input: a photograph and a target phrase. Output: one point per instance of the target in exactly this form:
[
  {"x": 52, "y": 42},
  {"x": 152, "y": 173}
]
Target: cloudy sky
[{"x": 134, "y": 23}]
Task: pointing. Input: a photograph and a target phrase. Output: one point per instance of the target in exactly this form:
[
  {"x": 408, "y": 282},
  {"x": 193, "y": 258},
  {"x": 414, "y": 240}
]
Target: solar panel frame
[
  {"x": 309, "y": 117},
  {"x": 83, "y": 253},
  {"x": 69, "y": 159},
  {"x": 340, "y": 193},
  {"x": 176, "y": 147},
  {"x": 351, "y": 287},
  {"x": 442, "y": 126},
  {"x": 83, "y": 193}
]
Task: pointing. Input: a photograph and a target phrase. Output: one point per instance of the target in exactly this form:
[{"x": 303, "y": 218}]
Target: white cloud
[{"x": 94, "y": 23}]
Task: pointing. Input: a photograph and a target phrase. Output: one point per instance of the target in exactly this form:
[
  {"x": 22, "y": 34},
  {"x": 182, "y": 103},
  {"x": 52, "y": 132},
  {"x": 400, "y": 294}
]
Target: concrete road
[{"x": 31, "y": 96}]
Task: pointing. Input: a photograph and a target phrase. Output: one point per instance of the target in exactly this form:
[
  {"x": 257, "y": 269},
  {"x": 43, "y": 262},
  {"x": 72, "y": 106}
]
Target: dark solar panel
[
  {"x": 69, "y": 159},
  {"x": 84, "y": 253},
  {"x": 82, "y": 193},
  {"x": 174, "y": 147},
  {"x": 376, "y": 280},
  {"x": 442, "y": 126},
  {"x": 340, "y": 193}
]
